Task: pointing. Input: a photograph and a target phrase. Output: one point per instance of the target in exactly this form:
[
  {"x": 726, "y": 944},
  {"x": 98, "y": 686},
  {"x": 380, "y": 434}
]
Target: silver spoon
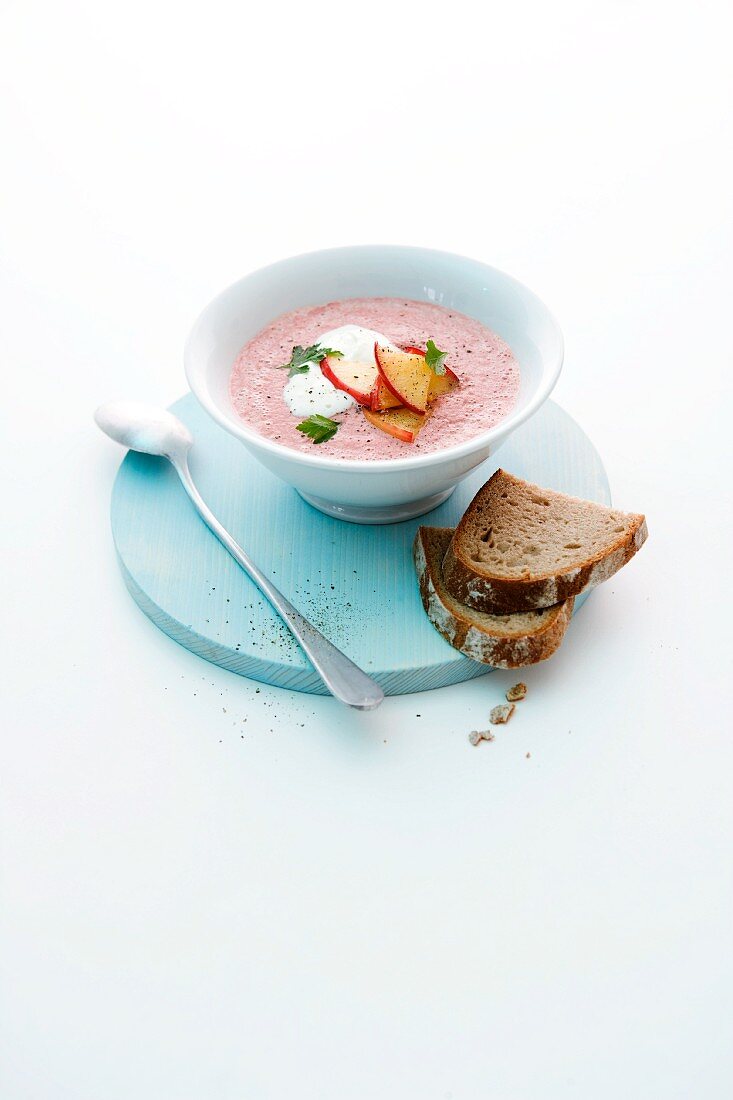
[{"x": 157, "y": 432}]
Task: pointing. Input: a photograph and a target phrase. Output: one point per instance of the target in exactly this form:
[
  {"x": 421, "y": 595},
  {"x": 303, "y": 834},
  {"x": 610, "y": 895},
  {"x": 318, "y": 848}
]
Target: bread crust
[
  {"x": 461, "y": 629},
  {"x": 503, "y": 595}
]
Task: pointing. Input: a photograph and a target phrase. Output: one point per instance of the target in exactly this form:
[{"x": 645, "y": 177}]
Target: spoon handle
[{"x": 342, "y": 677}]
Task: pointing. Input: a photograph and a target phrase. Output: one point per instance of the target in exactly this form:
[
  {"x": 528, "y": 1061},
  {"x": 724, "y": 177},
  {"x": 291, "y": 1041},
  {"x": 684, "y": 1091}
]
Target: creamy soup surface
[{"x": 487, "y": 370}]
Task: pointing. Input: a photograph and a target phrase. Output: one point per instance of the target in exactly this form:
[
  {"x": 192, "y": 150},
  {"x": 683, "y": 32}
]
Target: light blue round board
[{"x": 355, "y": 583}]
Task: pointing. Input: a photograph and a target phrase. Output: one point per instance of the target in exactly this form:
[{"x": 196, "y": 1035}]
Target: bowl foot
[{"x": 391, "y": 513}]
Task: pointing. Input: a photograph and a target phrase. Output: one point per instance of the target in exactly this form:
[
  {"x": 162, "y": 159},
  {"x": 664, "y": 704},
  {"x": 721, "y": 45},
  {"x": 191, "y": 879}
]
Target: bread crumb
[
  {"x": 501, "y": 714},
  {"x": 475, "y": 736},
  {"x": 516, "y": 693}
]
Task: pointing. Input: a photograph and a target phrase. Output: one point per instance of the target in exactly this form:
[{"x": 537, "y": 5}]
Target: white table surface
[{"x": 216, "y": 890}]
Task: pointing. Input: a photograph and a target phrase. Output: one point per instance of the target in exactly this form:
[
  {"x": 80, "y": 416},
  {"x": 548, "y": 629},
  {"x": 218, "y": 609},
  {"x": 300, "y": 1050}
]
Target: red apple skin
[
  {"x": 328, "y": 369},
  {"x": 414, "y": 351},
  {"x": 400, "y": 397}
]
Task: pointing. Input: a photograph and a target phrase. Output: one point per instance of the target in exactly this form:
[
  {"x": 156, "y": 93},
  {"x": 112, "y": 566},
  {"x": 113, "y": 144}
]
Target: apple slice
[
  {"x": 354, "y": 378},
  {"x": 439, "y": 383},
  {"x": 401, "y": 423},
  {"x": 382, "y": 398},
  {"x": 405, "y": 375}
]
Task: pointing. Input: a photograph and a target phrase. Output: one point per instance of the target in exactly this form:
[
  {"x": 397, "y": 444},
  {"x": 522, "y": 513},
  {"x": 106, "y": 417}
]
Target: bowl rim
[{"x": 199, "y": 388}]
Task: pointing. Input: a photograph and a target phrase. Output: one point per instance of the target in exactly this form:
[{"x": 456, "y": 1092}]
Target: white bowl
[{"x": 385, "y": 490}]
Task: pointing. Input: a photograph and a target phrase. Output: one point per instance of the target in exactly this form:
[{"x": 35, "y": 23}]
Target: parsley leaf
[
  {"x": 302, "y": 358},
  {"x": 435, "y": 358},
  {"x": 319, "y": 428}
]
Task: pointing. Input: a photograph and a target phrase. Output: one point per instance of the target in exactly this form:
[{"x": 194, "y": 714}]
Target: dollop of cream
[
  {"x": 354, "y": 342},
  {"x": 311, "y": 393}
]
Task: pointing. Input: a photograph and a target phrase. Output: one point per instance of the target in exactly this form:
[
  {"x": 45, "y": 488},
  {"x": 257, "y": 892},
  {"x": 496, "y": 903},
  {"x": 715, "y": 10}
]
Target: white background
[{"x": 314, "y": 903}]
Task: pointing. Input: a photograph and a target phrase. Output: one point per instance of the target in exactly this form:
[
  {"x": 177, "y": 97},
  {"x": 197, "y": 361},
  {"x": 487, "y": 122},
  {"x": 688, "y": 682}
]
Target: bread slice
[
  {"x": 504, "y": 641},
  {"x": 520, "y": 547}
]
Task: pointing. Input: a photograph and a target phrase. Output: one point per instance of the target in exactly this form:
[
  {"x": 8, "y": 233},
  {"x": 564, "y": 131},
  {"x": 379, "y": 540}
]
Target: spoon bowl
[{"x": 144, "y": 428}]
